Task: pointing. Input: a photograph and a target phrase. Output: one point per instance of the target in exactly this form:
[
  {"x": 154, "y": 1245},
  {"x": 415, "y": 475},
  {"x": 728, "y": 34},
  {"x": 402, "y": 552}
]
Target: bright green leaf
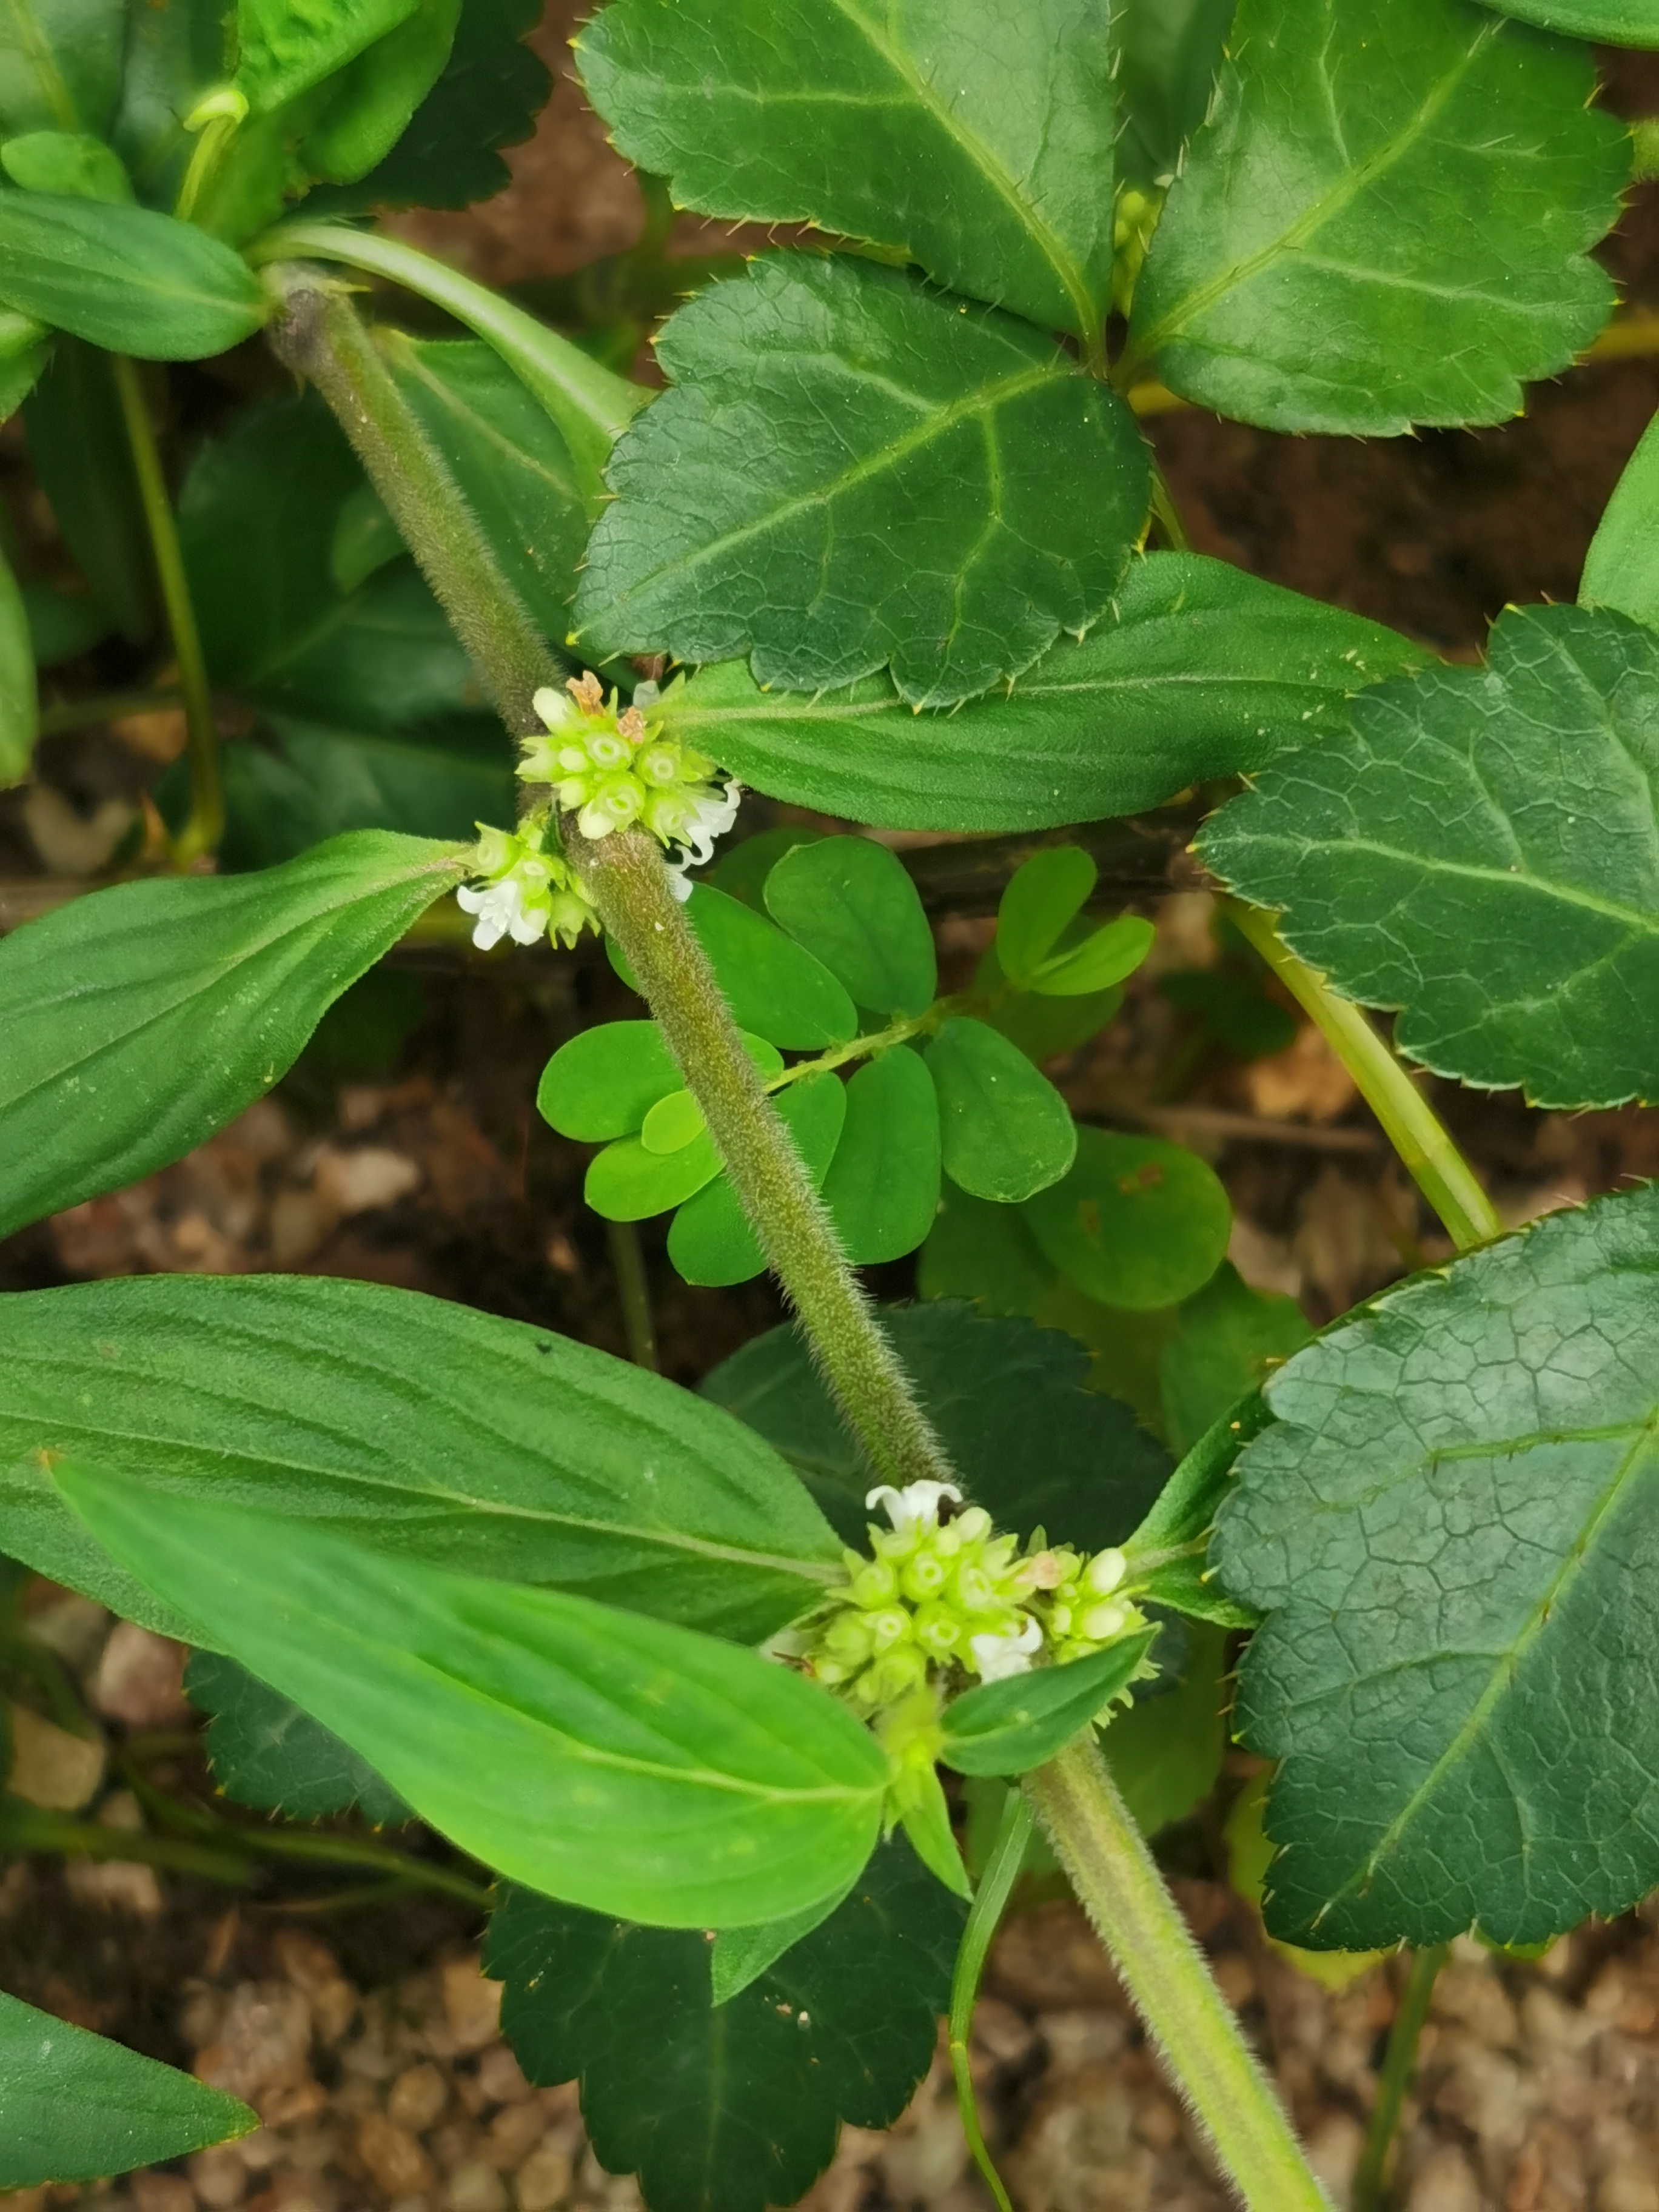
[
  {"x": 710, "y": 1241},
  {"x": 1104, "y": 958},
  {"x": 1009, "y": 1727},
  {"x": 848, "y": 471},
  {"x": 409, "y": 1423},
  {"x": 984, "y": 1252},
  {"x": 66, "y": 161},
  {"x": 74, "y": 2106},
  {"x": 850, "y": 902},
  {"x": 1195, "y": 671},
  {"x": 1138, "y": 1222},
  {"x": 605, "y": 1080},
  {"x": 1351, "y": 247},
  {"x": 263, "y": 1752},
  {"x": 624, "y": 1764},
  {"x": 80, "y": 452},
  {"x": 628, "y": 1181},
  {"x": 1042, "y": 896},
  {"x": 674, "y": 1120},
  {"x": 285, "y": 46},
  {"x": 1482, "y": 851},
  {"x": 124, "y": 277},
  {"x": 1228, "y": 1339},
  {"x": 882, "y": 1189},
  {"x": 1609, "y": 23},
  {"x": 775, "y": 987},
  {"x": 737, "y": 2106},
  {"x": 741, "y": 1955},
  {"x": 105, "y": 1005},
  {"x": 1453, "y": 1526},
  {"x": 1621, "y": 568},
  {"x": 19, "y": 698},
  {"x": 25, "y": 350},
  {"x": 1044, "y": 1026},
  {"x": 976, "y": 144},
  {"x": 1005, "y": 1131},
  {"x": 374, "y": 99},
  {"x": 60, "y": 64}
]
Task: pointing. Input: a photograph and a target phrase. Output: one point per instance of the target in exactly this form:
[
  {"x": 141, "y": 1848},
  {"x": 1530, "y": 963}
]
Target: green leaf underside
[
  {"x": 1353, "y": 247},
  {"x": 1138, "y": 1222},
  {"x": 977, "y": 143},
  {"x": 852, "y": 904},
  {"x": 1032, "y": 1445},
  {"x": 737, "y": 2105},
  {"x": 1009, "y": 1727},
  {"x": 74, "y": 2106},
  {"x": 124, "y": 277},
  {"x": 1453, "y": 1527},
  {"x": 431, "y": 1431},
  {"x": 621, "y": 1763},
  {"x": 104, "y": 1003},
  {"x": 1482, "y": 852},
  {"x": 1195, "y": 671},
  {"x": 850, "y": 471},
  {"x": 1609, "y": 23},
  {"x": 1005, "y": 1131},
  {"x": 265, "y": 1751},
  {"x": 883, "y": 1185}
]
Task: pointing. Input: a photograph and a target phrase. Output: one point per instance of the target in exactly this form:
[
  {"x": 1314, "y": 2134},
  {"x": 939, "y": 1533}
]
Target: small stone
[
  {"x": 300, "y": 1223},
  {"x": 72, "y": 1627},
  {"x": 315, "y": 1972},
  {"x": 49, "y": 1766},
  {"x": 364, "y": 1178},
  {"x": 116, "y": 1886},
  {"x": 472, "y": 2006},
  {"x": 475, "y": 2187},
  {"x": 162, "y": 2192},
  {"x": 292, "y": 2102},
  {"x": 218, "y": 2177},
  {"x": 1629, "y": 2186},
  {"x": 511, "y": 2135},
  {"x": 1445, "y": 2184},
  {"x": 501, "y": 2077},
  {"x": 141, "y": 1678},
  {"x": 263, "y": 2042},
  {"x": 542, "y": 2181},
  {"x": 417, "y": 2099},
  {"x": 395, "y": 2163}
]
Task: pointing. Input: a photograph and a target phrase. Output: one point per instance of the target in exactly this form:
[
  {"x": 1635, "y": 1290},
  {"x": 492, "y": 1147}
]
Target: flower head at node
[
  {"x": 611, "y": 767},
  {"x": 525, "y": 889}
]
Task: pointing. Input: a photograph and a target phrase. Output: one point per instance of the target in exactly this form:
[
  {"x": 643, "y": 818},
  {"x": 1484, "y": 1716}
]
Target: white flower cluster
[
  {"x": 525, "y": 889},
  {"x": 612, "y": 768}
]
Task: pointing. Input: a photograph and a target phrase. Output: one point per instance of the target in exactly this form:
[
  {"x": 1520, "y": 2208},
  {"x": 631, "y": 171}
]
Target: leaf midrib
[{"x": 1641, "y": 920}]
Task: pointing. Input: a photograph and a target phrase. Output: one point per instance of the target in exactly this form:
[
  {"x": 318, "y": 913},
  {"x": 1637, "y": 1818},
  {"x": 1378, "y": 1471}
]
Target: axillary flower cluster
[
  {"x": 612, "y": 767},
  {"x": 941, "y": 1593}
]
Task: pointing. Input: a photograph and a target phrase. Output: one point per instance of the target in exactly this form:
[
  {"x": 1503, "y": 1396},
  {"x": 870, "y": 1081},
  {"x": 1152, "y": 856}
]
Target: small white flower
[
  {"x": 997, "y": 1657},
  {"x": 914, "y": 1506},
  {"x": 503, "y": 911}
]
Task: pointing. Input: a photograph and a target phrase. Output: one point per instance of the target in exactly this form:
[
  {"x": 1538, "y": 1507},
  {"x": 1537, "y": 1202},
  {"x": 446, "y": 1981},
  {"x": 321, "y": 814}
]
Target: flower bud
[
  {"x": 1105, "y": 1572},
  {"x": 1101, "y": 1623},
  {"x": 937, "y": 1630},
  {"x": 973, "y": 1526},
  {"x": 888, "y": 1628},
  {"x": 923, "y": 1577},
  {"x": 875, "y": 1583}
]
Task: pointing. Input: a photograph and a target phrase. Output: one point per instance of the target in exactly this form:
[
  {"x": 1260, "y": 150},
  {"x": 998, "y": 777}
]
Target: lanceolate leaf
[
  {"x": 625, "y": 1764},
  {"x": 1482, "y": 851},
  {"x": 977, "y": 143},
  {"x": 77, "y": 2107},
  {"x": 107, "y": 1003},
  {"x": 1351, "y": 246},
  {"x": 1453, "y": 1527},
  {"x": 415, "y": 1425},
  {"x": 1196, "y": 670},
  {"x": 1009, "y": 1727},
  {"x": 266, "y": 1753},
  {"x": 736, "y": 2106},
  {"x": 850, "y": 471},
  {"x": 124, "y": 277},
  {"x": 1611, "y": 22}
]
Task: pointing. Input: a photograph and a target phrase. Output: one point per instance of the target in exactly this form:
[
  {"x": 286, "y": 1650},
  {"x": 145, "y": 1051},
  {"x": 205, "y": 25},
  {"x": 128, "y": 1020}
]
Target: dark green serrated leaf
[
  {"x": 737, "y": 2105},
  {"x": 1453, "y": 1526},
  {"x": 1195, "y": 671},
  {"x": 710, "y": 1241},
  {"x": 977, "y": 145},
  {"x": 627, "y": 1765},
  {"x": 863, "y": 474},
  {"x": 1009, "y": 1727},
  {"x": 409, "y": 1423},
  {"x": 60, "y": 64},
  {"x": 1610, "y": 22},
  {"x": 1032, "y": 1445},
  {"x": 1005, "y": 1131},
  {"x": 882, "y": 1189},
  {"x": 266, "y": 1753},
  {"x": 104, "y": 1003},
  {"x": 19, "y": 698},
  {"x": 1138, "y": 1222},
  {"x": 74, "y": 2106},
  {"x": 80, "y": 452},
  {"x": 1228, "y": 1339},
  {"x": 488, "y": 95},
  {"x": 125, "y": 278},
  {"x": 850, "y": 902},
  {"x": 1351, "y": 246},
  {"x": 1482, "y": 851}
]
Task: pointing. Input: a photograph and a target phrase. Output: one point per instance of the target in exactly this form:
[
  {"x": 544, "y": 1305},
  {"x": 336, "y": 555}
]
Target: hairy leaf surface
[
  {"x": 1610, "y": 22},
  {"x": 1353, "y": 246},
  {"x": 1482, "y": 851},
  {"x": 1453, "y": 1527},
  {"x": 850, "y": 471}
]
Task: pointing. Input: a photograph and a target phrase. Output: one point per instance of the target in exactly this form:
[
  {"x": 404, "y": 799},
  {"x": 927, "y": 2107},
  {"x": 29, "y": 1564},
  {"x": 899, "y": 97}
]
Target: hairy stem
[
  {"x": 206, "y": 822},
  {"x": 1121, "y": 1889},
  {"x": 990, "y": 1899},
  {"x": 1410, "y": 1123},
  {"x": 1399, "y": 2065}
]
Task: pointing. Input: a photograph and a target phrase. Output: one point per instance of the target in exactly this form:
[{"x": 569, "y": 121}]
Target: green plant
[{"x": 640, "y": 1652}]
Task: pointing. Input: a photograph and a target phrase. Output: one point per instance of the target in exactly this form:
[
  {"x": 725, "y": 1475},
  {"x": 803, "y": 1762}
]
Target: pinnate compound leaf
[
  {"x": 775, "y": 987},
  {"x": 105, "y": 1005},
  {"x": 265, "y": 1751},
  {"x": 977, "y": 143},
  {"x": 1032, "y": 1445},
  {"x": 1351, "y": 246},
  {"x": 1609, "y": 23},
  {"x": 850, "y": 471},
  {"x": 850, "y": 902},
  {"x": 77, "y": 2106},
  {"x": 883, "y": 1185},
  {"x": 1481, "y": 852},
  {"x": 1009, "y": 1727},
  {"x": 624, "y": 1764},
  {"x": 1102, "y": 960},
  {"x": 737, "y": 2105},
  {"x": 605, "y": 1080},
  {"x": 1138, "y": 1222},
  {"x": 1044, "y": 894},
  {"x": 1453, "y": 1527},
  {"x": 411, "y": 1423},
  {"x": 1005, "y": 1131},
  {"x": 1195, "y": 671},
  {"x": 125, "y": 278}
]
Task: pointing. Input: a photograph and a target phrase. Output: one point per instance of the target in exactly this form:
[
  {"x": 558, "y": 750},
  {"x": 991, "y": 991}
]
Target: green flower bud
[
  {"x": 924, "y": 1577},
  {"x": 1105, "y": 1572},
  {"x": 874, "y": 1584},
  {"x": 938, "y": 1631}
]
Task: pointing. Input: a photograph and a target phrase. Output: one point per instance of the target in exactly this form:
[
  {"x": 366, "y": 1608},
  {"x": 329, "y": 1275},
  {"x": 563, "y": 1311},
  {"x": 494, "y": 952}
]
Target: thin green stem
[
  {"x": 1121, "y": 1889},
  {"x": 24, "y": 1827},
  {"x": 633, "y": 1288},
  {"x": 105, "y": 707},
  {"x": 990, "y": 1899},
  {"x": 1399, "y": 2066},
  {"x": 1409, "y": 1122},
  {"x": 205, "y": 824}
]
